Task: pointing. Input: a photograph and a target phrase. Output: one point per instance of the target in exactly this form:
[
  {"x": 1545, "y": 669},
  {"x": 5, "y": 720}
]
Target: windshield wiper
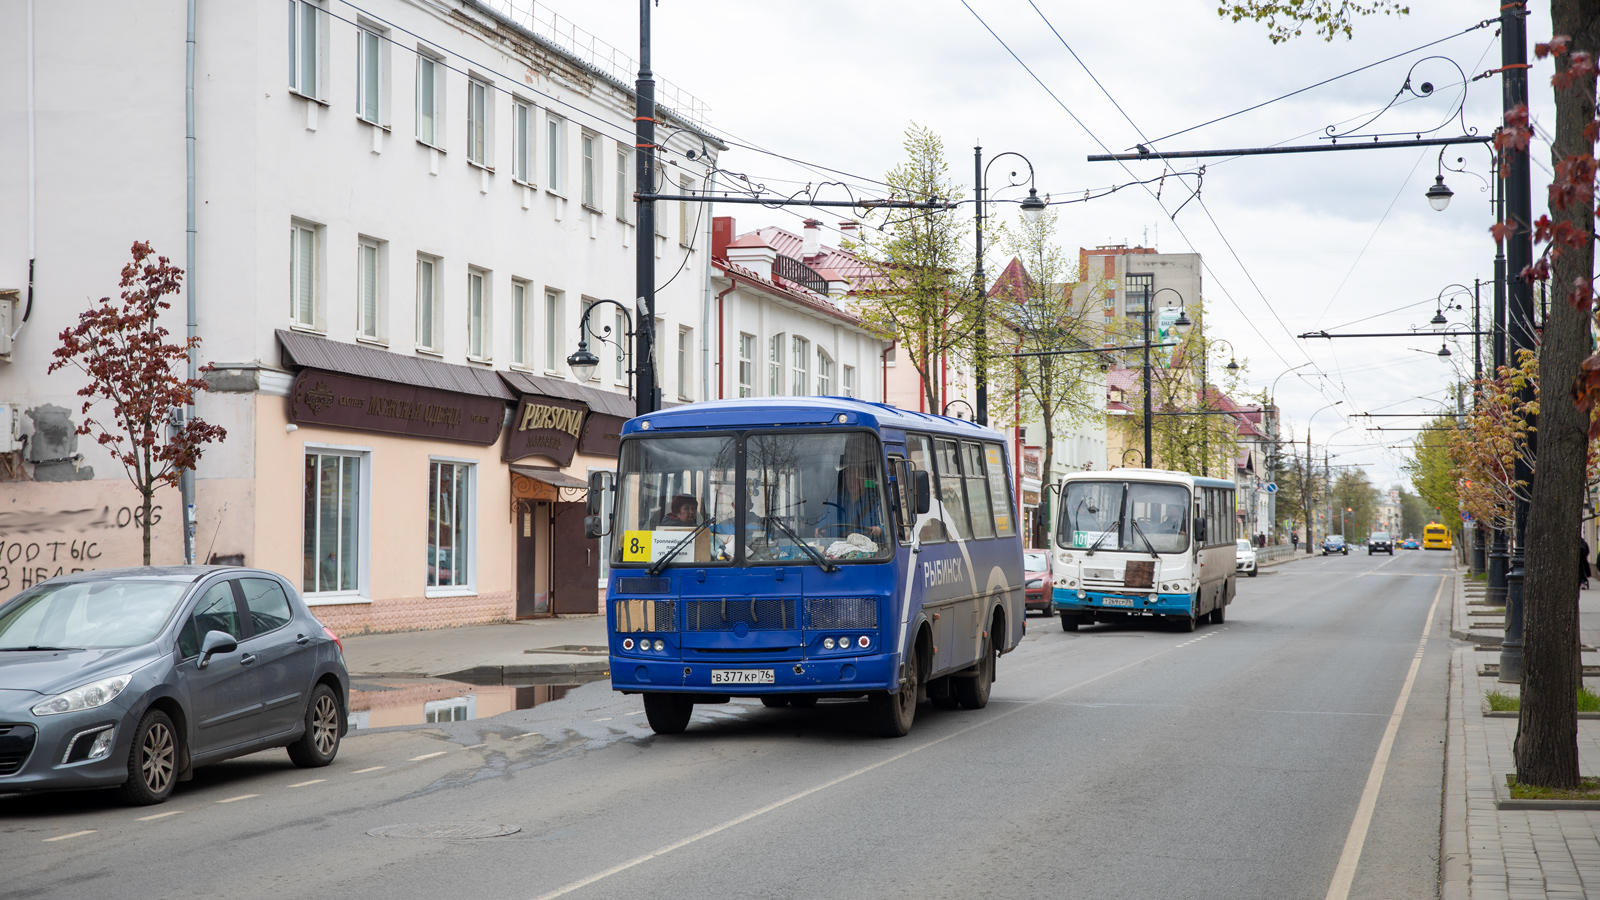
[
  {"x": 810, "y": 550},
  {"x": 655, "y": 567},
  {"x": 1147, "y": 544},
  {"x": 39, "y": 647}
]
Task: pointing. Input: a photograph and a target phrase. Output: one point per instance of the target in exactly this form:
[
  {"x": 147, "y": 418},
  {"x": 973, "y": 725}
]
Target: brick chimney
[
  {"x": 811, "y": 239},
  {"x": 721, "y": 236}
]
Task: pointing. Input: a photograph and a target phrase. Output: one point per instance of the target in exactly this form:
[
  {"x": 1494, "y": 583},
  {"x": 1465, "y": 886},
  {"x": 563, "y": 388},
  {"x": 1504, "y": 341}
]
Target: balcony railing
[{"x": 791, "y": 269}]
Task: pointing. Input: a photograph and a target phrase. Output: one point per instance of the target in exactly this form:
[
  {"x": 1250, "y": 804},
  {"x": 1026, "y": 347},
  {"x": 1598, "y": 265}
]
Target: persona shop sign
[
  {"x": 342, "y": 401},
  {"x": 546, "y": 427}
]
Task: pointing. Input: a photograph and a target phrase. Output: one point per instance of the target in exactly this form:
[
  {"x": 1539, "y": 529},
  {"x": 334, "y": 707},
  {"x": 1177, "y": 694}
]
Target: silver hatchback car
[{"x": 129, "y": 678}]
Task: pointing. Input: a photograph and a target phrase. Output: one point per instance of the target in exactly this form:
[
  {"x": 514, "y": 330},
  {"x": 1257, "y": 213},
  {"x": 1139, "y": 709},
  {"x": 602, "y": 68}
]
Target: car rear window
[{"x": 268, "y": 606}]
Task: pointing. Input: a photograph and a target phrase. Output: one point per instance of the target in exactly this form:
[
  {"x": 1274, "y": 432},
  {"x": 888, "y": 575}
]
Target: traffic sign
[{"x": 1272, "y": 487}]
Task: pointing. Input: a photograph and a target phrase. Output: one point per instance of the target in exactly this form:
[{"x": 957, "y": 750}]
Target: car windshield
[
  {"x": 1242, "y": 544},
  {"x": 89, "y": 614},
  {"x": 1124, "y": 515},
  {"x": 1335, "y": 538},
  {"x": 805, "y": 495},
  {"x": 1033, "y": 562},
  {"x": 1380, "y": 536}
]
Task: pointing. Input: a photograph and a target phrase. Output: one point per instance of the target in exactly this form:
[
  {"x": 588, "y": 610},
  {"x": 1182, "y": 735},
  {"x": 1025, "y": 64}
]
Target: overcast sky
[{"x": 1321, "y": 239}]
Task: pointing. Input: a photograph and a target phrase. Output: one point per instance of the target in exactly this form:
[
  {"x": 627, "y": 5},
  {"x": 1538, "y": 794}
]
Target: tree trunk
[
  {"x": 146, "y": 490},
  {"x": 1547, "y": 731}
]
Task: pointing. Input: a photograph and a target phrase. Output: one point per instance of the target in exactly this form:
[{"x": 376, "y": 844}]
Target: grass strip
[
  {"x": 1500, "y": 701},
  {"x": 1588, "y": 790}
]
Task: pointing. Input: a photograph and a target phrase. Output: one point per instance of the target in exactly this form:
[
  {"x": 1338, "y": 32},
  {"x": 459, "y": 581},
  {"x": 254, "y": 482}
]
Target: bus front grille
[
  {"x": 645, "y": 615},
  {"x": 754, "y": 614},
  {"x": 828, "y": 612}
]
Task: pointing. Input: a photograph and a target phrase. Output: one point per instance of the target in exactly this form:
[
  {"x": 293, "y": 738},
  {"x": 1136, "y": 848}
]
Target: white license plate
[
  {"x": 741, "y": 676},
  {"x": 1117, "y": 601}
]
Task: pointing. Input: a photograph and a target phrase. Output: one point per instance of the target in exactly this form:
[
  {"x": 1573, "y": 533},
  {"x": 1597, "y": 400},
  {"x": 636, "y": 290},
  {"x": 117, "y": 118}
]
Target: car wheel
[
  {"x": 668, "y": 713},
  {"x": 973, "y": 693},
  {"x": 324, "y": 720},
  {"x": 892, "y": 714},
  {"x": 152, "y": 761},
  {"x": 1252, "y": 573},
  {"x": 1069, "y": 622}
]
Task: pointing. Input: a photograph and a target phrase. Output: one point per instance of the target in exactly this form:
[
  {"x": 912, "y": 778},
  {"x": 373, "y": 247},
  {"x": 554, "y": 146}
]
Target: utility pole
[
  {"x": 982, "y": 411},
  {"x": 1479, "y": 536},
  {"x": 648, "y": 398},
  {"x": 1310, "y": 504},
  {"x": 1147, "y": 417},
  {"x": 1519, "y": 311}
]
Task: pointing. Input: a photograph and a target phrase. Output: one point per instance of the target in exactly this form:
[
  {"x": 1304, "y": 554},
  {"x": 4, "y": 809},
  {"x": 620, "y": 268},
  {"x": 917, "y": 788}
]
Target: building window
[
  {"x": 623, "y": 199},
  {"x": 594, "y": 327},
  {"x": 522, "y": 142},
  {"x": 371, "y": 53},
  {"x": 369, "y": 288},
  {"x": 824, "y": 374},
  {"x": 304, "y": 302},
  {"x": 478, "y": 110},
  {"x": 775, "y": 365},
  {"x": 685, "y": 227},
  {"x": 685, "y": 364},
  {"x": 477, "y": 314},
  {"x": 799, "y": 355},
  {"x": 449, "y": 512},
  {"x": 849, "y": 381},
  {"x": 305, "y": 48},
  {"x": 590, "y": 173},
  {"x": 552, "y": 331},
  {"x": 333, "y": 520},
  {"x": 624, "y": 351},
  {"x": 747, "y": 365},
  {"x": 430, "y": 100},
  {"x": 554, "y": 133},
  {"x": 519, "y": 323},
  {"x": 427, "y": 309}
]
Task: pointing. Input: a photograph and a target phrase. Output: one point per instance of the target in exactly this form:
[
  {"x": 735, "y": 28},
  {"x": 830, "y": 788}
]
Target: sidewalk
[
  {"x": 484, "y": 651},
  {"x": 1492, "y": 846}
]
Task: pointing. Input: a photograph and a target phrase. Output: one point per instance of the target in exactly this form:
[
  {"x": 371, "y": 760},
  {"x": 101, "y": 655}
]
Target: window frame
[
  {"x": 624, "y": 348},
  {"x": 361, "y": 593},
  {"x": 297, "y": 48},
  {"x": 480, "y": 122},
  {"x": 685, "y": 230},
  {"x": 685, "y": 363},
  {"x": 554, "y": 302},
  {"x": 775, "y": 368},
  {"x": 478, "y": 279},
  {"x": 371, "y": 42},
  {"x": 433, "y": 66},
  {"x": 590, "y": 160},
  {"x": 747, "y": 365},
  {"x": 520, "y": 323},
  {"x": 298, "y": 230},
  {"x": 378, "y": 318},
  {"x": 917, "y": 442},
  {"x": 824, "y": 372},
  {"x": 847, "y": 378},
  {"x": 624, "y": 164},
  {"x": 433, "y": 264},
  {"x": 555, "y": 132},
  {"x": 469, "y": 587},
  {"x": 800, "y": 366},
  {"x": 522, "y": 140}
]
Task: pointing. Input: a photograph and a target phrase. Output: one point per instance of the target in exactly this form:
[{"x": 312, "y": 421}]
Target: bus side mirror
[
  {"x": 593, "y": 526},
  {"x": 924, "y": 493},
  {"x": 1199, "y": 530}
]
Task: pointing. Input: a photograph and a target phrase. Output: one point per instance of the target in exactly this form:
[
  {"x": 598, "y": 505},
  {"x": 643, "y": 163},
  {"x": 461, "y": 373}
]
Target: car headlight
[
  {"x": 96, "y": 693},
  {"x": 1036, "y": 583}
]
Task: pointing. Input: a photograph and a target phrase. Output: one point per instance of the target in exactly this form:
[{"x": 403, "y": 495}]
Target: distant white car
[{"x": 1245, "y": 558}]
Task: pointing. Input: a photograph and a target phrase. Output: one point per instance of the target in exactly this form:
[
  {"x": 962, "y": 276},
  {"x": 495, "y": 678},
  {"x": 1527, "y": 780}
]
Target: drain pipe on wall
[
  {"x": 705, "y": 318},
  {"x": 186, "y": 476},
  {"x": 33, "y": 176}
]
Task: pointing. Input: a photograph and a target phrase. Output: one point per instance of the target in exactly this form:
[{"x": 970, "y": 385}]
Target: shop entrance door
[
  {"x": 530, "y": 603},
  {"x": 574, "y": 563}
]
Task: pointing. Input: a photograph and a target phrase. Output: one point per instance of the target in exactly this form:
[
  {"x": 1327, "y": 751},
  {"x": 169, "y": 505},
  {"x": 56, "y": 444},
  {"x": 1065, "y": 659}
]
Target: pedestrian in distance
[
  {"x": 1294, "y": 540},
  {"x": 1583, "y": 566}
]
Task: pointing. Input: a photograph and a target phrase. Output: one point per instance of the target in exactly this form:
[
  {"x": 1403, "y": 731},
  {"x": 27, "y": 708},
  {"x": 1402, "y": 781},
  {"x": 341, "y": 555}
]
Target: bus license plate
[
  {"x": 1117, "y": 601},
  {"x": 741, "y": 676}
]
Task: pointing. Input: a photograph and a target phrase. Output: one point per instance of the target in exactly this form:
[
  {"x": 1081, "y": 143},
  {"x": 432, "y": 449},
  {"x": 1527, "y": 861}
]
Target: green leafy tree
[
  {"x": 1354, "y": 494},
  {"x": 1432, "y": 471},
  {"x": 921, "y": 293},
  {"x": 1327, "y": 19},
  {"x": 1184, "y": 436}
]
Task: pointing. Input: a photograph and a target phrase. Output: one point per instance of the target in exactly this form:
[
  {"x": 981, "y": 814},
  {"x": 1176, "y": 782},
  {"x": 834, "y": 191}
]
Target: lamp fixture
[{"x": 1439, "y": 194}]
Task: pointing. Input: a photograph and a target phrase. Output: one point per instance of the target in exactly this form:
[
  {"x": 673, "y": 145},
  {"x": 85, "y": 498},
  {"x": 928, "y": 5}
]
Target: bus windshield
[
  {"x": 1125, "y": 515},
  {"x": 806, "y": 497}
]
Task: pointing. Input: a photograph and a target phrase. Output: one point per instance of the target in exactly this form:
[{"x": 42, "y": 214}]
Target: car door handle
[
  {"x": 302, "y": 640},
  {"x": 247, "y": 659}
]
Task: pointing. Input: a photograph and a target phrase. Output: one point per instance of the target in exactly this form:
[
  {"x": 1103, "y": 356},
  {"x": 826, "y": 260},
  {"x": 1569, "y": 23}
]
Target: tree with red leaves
[{"x": 131, "y": 364}]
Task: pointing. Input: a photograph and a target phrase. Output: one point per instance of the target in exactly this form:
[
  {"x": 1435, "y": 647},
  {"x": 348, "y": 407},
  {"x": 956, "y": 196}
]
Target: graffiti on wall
[{"x": 36, "y": 545}]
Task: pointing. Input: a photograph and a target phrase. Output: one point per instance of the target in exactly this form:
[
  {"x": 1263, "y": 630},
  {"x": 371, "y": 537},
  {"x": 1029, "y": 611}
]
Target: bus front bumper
[
  {"x": 845, "y": 675},
  {"x": 1130, "y": 603}
]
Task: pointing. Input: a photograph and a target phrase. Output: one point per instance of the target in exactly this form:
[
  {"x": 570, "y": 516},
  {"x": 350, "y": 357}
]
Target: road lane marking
[
  {"x": 158, "y": 816},
  {"x": 779, "y": 804},
  {"x": 368, "y": 769},
  {"x": 428, "y": 756},
  {"x": 1344, "y": 873},
  {"x": 62, "y": 837},
  {"x": 312, "y": 781},
  {"x": 474, "y": 746},
  {"x": 240, "y": 797},
  {"x": 604, "y": 719}
]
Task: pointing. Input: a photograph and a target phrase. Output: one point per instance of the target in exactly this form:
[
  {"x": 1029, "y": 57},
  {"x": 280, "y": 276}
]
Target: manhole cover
[{"x": 445, "y": 831}]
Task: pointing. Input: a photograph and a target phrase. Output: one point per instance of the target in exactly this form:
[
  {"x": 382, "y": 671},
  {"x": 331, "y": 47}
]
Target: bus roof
[
  {"x": 1166, "y": 475},
  {"x": 766, "y": 412}
]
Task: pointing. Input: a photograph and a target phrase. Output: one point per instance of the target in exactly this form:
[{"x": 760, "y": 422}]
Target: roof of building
[{"x": 316, "y": 352}]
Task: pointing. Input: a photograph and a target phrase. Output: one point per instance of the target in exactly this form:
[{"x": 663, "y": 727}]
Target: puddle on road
[{"x": 386, "y": 702}]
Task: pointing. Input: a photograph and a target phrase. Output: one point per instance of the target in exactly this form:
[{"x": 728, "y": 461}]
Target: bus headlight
[{"x": 827, "y": 643}]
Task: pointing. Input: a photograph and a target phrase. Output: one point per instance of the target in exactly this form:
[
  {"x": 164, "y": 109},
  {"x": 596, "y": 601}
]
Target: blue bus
[
  {"x": 795, "y": 549},
  {"x": 1135, "y": 543}
]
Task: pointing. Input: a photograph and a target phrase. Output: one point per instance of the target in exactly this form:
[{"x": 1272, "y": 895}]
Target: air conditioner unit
[{"x": 8, "y": 320}]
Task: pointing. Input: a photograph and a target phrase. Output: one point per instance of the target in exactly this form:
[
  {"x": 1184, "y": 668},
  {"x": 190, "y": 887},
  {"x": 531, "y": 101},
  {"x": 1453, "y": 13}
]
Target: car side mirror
[
  {"x": 924, "y": 493},
  {"x": 215, "y": 642},
  {"x": 593, "y": 526}
]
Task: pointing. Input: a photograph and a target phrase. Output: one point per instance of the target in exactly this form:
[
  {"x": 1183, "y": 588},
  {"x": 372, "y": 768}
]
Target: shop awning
[
  {"x": 313, "y": 352},
  {"x": 610, "y": 403},
  {"x": 549, "y": 476}
]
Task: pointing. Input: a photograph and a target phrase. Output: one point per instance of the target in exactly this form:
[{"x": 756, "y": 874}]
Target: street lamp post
[
  {"x": 1205, "y": 396},
  {"x": 584, "y": 361},
  {"x": 1272, "y": 461},
  {"x": 1305, "y": 487},
  {"x": 1182, "y": 325},
  {"x": 1032, "y": 207}
]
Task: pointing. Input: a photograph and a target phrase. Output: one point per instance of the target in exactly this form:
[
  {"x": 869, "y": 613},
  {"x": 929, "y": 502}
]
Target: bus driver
[{"x": 854, "y": 507}]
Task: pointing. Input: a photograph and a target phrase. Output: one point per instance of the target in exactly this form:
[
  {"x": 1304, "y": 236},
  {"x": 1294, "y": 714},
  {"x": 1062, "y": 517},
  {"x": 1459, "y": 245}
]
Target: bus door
[{"x": 941, "y": 574}]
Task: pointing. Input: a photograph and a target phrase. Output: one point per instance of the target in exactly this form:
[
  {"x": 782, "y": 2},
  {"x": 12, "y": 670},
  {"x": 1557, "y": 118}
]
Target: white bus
[{"x": 1143, "y": 542}]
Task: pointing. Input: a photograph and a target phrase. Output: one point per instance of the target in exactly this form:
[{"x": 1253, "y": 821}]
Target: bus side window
[
  {"x": 999, "y": 491},
  {"x": 952, "y": 493},
  {"x": 902, "y": 497},
  {"x": 920, "y": 449},
  {"x": 977, "y": 490}
]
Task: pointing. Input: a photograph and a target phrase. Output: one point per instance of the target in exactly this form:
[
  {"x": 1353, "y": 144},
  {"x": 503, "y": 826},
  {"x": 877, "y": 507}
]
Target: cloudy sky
[{"x": 1291, "y": 243}]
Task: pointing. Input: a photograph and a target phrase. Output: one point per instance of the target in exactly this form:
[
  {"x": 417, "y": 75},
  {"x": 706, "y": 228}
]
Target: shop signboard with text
[{"x": 343, "y": 401}]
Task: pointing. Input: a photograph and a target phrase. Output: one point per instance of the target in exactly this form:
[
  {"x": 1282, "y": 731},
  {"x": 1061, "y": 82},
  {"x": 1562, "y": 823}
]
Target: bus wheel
[
  {"x": 892, "y": 713},
  {"x": 1187, "y": 623},
  {"x": 1219, "y": 615},
  {"x": 776, "y": 702},
  {"x": 668, "y": 713},
  {"x": 802, "y": 701},
  {"x": 973, "y": 693},
  {"x": 1069, "y": 622}
]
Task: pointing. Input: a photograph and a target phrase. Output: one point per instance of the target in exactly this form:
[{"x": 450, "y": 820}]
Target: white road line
[
  {"x": 62, "y": 837},
  {"x": 305, "y": 783},
  {"x": 428, "y": 756},
  {"x": 603, "y": 719},
  {"x": 240, "y": 797},
  {"x": 158, "y": 815},
  {"x": 474, "y": 746},
  {"x": 779, "y": 804},
  {"x": 368, "y": 769},
  {"x": 1345, "y": 872},
  {"x": 527, "y": 734}
]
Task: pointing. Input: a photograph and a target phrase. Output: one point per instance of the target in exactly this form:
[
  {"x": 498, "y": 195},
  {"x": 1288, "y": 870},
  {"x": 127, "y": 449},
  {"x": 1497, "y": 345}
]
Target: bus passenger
[{"x": 685, "y": 512}]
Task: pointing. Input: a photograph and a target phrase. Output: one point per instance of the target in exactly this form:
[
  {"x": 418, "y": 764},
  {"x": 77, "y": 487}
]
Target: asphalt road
[{"x": 1117, "y": 762}]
